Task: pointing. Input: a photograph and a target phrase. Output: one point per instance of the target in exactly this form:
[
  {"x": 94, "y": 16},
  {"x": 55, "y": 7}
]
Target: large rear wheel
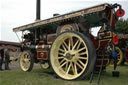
[{"x": 72, "y": 56}]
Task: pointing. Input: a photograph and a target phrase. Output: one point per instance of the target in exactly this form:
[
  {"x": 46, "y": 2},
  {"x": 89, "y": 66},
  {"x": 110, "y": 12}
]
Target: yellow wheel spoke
[
  {"x": 27, "y": 61},
  {"x": 68, "y": 68},
  {"x": 79, "y": 65},
  {"x": 59, "y": 57},
  {"x": 85, "y": 58},
  {"x": 62, "y": 61},
  {"x": 83, "y": 53},
  {"x": 65, "y": 44},
  {"x": 62, "y": 65},
  {"x": 78, "y": 45},
  {"x": 64, "y": 47},
  {"x": 61, "y": 54},
  {"x": 61, "y": 50},
  {"x": 71, "y": 40},
  {"x": 75, "y": 68},
  {"x": 69, "y": 44},
  {"x": 81, "y": 49},
  {"x": 23, "y": 64},
  {"x": 75, "y": 45}
]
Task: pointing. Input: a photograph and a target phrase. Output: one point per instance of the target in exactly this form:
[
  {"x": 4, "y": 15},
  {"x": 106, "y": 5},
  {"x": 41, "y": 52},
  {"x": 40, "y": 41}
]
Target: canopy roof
[
  {"x": 67, "y": 16},
  {"x": 10, "y": 43}
]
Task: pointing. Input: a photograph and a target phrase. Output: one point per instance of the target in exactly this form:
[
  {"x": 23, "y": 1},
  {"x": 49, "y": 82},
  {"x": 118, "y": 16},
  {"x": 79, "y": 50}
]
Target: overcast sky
[{"x": 15, "y": 13}]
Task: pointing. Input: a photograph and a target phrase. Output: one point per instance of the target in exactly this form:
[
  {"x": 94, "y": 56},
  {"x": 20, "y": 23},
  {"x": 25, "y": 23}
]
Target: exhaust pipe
[{"x": 38, "y": 8}]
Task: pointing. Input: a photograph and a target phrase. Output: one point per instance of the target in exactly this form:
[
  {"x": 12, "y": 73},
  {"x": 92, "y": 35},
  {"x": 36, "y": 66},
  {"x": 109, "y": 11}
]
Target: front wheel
[
  {"x": 72, "y": 56},
  {"x": 45, "y": 65},
  {"x": 26, "y": 61}
]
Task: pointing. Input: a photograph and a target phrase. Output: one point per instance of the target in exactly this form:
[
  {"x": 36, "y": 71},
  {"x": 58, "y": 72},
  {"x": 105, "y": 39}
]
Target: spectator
[
  {"x": 1, "y": 58},
  {"x": 7, "y": 59}
]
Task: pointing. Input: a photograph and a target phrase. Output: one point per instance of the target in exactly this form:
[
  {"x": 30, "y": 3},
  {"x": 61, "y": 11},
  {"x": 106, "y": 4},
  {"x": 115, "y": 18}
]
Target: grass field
[{"x": 45, "y": 77}]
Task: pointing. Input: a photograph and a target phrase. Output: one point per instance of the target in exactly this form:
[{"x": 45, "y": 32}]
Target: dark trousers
[
  {"x": 1, "y": 63},
  {"x": 7, "y": 62}
]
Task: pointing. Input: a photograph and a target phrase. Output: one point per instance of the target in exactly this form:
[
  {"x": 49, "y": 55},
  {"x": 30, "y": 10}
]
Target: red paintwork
[
  {"x": 126, "y": 56},
  {"x": 94, "y": 41},
  {"x": 115, "y": 40},
  {"x": 113, "y": 21},
  {"x": 98, "y": 62},
  {"x": 120, "y": 14},
  {"x": 42, "y": 55}
]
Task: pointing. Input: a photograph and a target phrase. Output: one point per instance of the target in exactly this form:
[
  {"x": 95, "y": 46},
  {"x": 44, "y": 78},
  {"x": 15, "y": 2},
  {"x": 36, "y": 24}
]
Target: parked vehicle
[
  {"x": 123, "y": 44},
  {"x": 13, "y": 49}
]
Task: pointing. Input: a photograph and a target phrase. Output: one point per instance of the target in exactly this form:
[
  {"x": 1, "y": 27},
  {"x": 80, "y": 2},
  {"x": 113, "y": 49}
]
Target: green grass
[{"x": 41, "y": 77}]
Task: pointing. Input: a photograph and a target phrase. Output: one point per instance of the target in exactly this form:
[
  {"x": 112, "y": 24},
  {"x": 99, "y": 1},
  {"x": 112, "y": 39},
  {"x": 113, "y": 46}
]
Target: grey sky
[{"x": 15, "y": 13}]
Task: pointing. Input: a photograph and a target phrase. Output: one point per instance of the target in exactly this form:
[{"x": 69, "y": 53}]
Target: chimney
[{"x": 38, "y": 8}]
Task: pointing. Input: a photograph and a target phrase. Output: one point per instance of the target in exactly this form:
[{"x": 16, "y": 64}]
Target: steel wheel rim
[
  {"x": 25, "y": 61},
  {"x": 44, "y": 66},
  {"x": 69, "y": 56},
  {"x": 119, "y": 56},
  {"x": 66, "y": 28}
]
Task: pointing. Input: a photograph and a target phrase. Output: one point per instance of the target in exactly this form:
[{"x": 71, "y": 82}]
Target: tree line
[{"x": 121, "y": 26}]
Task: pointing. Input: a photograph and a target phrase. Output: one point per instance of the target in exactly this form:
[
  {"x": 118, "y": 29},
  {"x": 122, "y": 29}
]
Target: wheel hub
[
  {"x": 69, "y": 56},
  {"x": 26, "y": 58}
]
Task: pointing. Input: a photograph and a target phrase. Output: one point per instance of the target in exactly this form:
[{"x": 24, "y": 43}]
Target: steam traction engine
[
  {"x": 123, "y": 44},
  {"x": 65, "y": 42}
]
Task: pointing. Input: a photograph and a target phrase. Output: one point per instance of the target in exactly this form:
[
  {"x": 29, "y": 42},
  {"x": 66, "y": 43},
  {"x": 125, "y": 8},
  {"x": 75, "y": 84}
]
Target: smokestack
[{"x": 38, "y": 10}]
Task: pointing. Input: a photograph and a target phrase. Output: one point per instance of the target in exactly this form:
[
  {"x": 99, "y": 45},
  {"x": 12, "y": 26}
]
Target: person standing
[
  {"x": 7, "y": 59},
  {"x": 1, "y": 58}
]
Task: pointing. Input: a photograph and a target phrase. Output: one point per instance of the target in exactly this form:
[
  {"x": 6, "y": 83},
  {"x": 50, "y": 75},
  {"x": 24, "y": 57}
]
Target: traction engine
[{"x": 65, "y": 43}]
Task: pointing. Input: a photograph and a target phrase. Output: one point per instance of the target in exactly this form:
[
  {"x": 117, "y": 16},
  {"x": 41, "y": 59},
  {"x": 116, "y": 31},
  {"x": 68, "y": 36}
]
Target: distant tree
[{"x": 121, "y": 26}]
